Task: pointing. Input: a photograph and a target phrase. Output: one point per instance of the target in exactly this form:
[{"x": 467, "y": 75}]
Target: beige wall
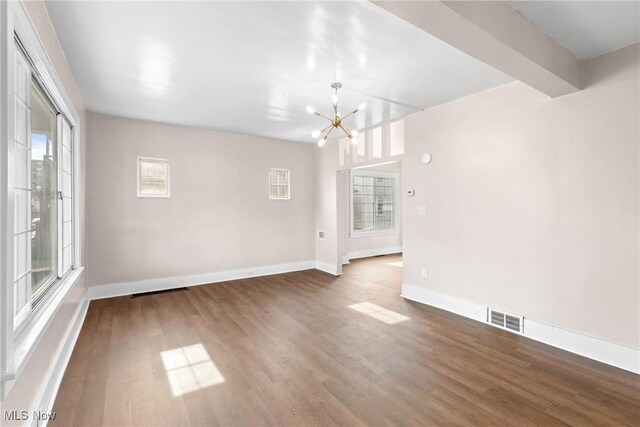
[
  {"x": 369, "y": 243},
  {"x": 327, "y": 208},
  {"x": 219, "y": 216},
  {"x": 25, "y": 393},
  {"x": 533, "y": 202}
]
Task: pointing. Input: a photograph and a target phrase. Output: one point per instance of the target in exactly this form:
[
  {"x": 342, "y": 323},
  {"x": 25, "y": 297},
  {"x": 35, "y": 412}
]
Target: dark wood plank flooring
[{"x": 289, "y": 350}]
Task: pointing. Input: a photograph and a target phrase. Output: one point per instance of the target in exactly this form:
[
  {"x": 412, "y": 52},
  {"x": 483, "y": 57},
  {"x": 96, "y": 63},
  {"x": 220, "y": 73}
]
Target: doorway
[{"x": 370, "y": 211}]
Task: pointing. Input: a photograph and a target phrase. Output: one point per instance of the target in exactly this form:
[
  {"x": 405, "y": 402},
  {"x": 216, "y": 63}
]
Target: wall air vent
[{"x": 507, "y": 321}]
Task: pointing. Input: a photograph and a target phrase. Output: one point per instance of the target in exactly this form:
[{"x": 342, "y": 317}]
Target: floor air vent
[
  {"x": 165, "y": 291},
  {"x": 506, "y": 321}
]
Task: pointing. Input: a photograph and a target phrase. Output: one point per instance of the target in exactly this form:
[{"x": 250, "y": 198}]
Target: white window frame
[
  {"x": 17, "y": 344},
  {"x": 54, "y": 281},
  {"x": 396, "y": 202},
  {"x": 288, "y": 196},
  {"x": 167, "y": 162}
]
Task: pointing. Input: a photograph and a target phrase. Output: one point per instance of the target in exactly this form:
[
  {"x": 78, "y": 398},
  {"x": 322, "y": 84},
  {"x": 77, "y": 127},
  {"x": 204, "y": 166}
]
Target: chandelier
[{"x": 337, "y": 120}]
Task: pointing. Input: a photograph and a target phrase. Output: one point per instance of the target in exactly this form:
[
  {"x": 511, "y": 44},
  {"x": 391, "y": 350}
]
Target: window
[
  {"x": 43, "y": 191},
  {"x": 279, "y": 185},
  {"x": 397, "y": 138},
  {"x": 377, "y": 143},
  {"x": 65, "y": 220},
  {"x": 373, "y": 201},
  {"x": 153, "y": 177}
]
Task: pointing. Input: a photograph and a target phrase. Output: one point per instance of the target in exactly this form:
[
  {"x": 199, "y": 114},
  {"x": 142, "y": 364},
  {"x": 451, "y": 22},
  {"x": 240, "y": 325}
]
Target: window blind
[{"x": 153, "y": 177}]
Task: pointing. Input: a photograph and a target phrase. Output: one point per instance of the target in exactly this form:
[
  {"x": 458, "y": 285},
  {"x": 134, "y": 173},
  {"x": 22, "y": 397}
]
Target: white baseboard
[
  {"x": 334, "y": 269},
  {"x": 612, "y": 354},
  {"x": 62, "y": 358},
  {"x": 371, "y": 252},
  {"x": 446, "y": 302},
  {"x": 128, "y": 288}
]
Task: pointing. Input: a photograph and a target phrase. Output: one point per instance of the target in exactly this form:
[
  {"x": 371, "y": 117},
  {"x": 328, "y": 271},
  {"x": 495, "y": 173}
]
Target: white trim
[
  {"x": 54, "y": 379},
  {"x": 40, "y": 57},
  {"x": 328, "y": 268},
  {"x": 59, "y": 196},
  {"x": 446, "y": 302},
  {"x": 373, "y": 165},
  {"x": 7, "y": 52},
  {"x": 37, "y": 325},
  {"x": 366, "y": 253},
  {"x": 594, "y": 348},
  {"x": 128, "y": 288},
  {"x": 389, "y": 232}
]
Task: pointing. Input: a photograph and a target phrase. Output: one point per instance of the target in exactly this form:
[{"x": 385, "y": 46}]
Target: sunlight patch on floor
[
  {"x": 395, "y": 264},
  {"x": 190, "y": 369},
  {"x": 380, "y": 313}
]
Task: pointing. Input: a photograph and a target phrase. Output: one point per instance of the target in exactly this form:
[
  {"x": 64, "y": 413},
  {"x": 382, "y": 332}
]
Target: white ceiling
[
  {"x": 585, "y": 28},
  {"x": 252, "y": 67}
]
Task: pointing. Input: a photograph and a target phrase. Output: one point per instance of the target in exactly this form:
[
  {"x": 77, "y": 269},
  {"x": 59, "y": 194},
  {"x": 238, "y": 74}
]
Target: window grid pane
[
  {"x": 44, "y": 202},
  {"x": 67, "y": 198},
  {"x": 372, "y": 203},
  {"x": 22, "y": 188},
  {"x": 279, "y": 184}
]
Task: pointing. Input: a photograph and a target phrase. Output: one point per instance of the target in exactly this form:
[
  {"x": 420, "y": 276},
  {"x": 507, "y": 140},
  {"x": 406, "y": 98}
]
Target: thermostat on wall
[{"x": 411, "y": 193}]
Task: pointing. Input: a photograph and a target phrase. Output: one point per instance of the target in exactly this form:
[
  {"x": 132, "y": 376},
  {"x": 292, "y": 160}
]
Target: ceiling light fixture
[{"x": 336, "y": 122}]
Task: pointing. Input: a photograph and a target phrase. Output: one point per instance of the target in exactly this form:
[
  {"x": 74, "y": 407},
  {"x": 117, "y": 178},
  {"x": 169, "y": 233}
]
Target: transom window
[{"x": 373, "y": 202}]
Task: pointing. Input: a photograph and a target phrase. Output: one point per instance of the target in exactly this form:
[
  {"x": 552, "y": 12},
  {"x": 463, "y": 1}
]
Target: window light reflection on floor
[
  {"x": 190, "y": 369},
  {"x": 387, "y": 316},
  {"x": 395, "y": 264}
]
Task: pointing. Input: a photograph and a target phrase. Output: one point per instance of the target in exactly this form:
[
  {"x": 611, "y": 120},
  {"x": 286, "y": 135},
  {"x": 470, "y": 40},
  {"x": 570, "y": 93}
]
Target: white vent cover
[{"x": 510, "y": 322}]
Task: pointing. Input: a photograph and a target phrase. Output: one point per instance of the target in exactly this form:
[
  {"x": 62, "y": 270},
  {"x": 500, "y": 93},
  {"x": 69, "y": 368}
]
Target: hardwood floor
[{"x": 289, "y": 350}]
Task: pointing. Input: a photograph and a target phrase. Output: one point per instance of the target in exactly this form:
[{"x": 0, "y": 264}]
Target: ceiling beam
[{"x": 494, "y": 33}]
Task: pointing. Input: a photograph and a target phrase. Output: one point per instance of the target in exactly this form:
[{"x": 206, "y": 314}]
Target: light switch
[{"x": 422, "y": 210}]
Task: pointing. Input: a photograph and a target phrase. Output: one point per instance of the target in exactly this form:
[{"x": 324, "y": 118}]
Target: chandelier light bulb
[
  {"x": 362, "y": 106},
  {"x": 335, "y": 121}
]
